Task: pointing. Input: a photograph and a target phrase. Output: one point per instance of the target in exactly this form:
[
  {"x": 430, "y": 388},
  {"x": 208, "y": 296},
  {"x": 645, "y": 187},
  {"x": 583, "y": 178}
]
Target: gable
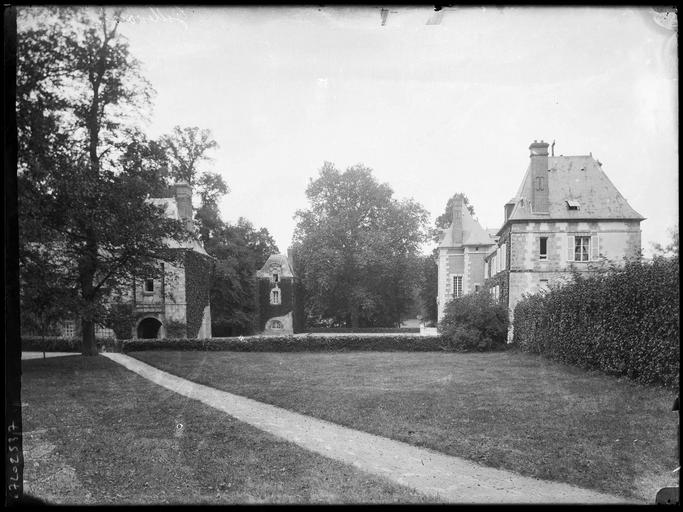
[
  {"x": 276, "y": 262},
  {"x": 472, "y": 233}
]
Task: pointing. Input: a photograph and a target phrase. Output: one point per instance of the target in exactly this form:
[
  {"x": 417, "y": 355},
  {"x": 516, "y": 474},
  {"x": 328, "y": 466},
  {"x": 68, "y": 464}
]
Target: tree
[
  {"x": 671, "y": 249},
  {"x": 428, "y": 288},
  {"x": 240, "y": 251},
  {"x": 355, "y": 245},
  {"x": 82, "y": 212},
  {"x": 186, "y": 148}
]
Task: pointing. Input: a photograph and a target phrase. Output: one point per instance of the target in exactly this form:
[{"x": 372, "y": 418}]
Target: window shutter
[
  {"x": 595, "y": 247},
  {"x": 570, "y": 248}
]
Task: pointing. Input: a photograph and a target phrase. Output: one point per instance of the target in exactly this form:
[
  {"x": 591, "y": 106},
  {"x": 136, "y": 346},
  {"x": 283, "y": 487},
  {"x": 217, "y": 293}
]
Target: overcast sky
[{"x": 433, "y": 103}]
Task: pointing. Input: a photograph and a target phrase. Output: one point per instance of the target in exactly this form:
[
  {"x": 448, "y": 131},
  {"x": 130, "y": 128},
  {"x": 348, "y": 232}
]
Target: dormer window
[
  {"x": 573, "y": 205},
  {"x": 275, "y": 271}
]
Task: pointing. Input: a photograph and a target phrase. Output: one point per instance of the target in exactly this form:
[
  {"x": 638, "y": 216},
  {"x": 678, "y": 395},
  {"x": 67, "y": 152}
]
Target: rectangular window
[
  {"x": 457, "y": 286},
  {"x": 582, "y": 248},
  {"x": 69, "y": 329},
  {"x": 276, "y": 277},
  {"x": 149, "y": 285},
  {"x": 543, "y": 248}
]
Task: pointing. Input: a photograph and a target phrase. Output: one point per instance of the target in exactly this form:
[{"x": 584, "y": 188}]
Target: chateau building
[
  {"x": 177, "y": 304},
  {"x": 461, "y": 252},
  {"x": 280, "y": 306},
  {"x": 566, "y": 217}
]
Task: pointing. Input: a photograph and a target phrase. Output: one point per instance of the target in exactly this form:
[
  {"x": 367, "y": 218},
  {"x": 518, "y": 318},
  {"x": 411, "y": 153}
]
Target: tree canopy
[
  {"x": 356, "y": 246},
  {"x": 84, "y": 222},
  {"x": 240, "y": 250}
]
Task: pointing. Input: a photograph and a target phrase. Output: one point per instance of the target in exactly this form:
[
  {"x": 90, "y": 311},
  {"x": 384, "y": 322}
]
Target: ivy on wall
[
  {"x": 198, "y": 271},
  {"x": 267, "y": 310},
  {"x": 175, "y": 329}
]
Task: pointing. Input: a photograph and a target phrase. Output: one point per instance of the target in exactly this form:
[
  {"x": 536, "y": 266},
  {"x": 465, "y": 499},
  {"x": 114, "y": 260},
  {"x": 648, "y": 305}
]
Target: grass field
[
  {"x": 95, "y": 433},
  {"x": 506, "y": 410}
]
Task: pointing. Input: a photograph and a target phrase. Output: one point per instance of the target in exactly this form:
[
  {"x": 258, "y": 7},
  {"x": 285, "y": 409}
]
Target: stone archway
[{"x": 149, "y": 328}]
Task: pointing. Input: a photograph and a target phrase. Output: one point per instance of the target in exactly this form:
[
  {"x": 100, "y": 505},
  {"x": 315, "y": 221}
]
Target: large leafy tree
[
  {"x": 428, "y": 288},
  {"x": 84, "y": 221},
  {"x": 185, "y": 150},
  {"x": 355, "y": 246}
]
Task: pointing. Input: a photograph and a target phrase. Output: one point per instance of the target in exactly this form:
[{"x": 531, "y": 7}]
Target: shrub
[
  {"x": 176, "y": 329},
  {"x": 120, "y": 319},
  {"x": 474, "y": 322},
  {"x": 307, "y": 343},
  {"x": 50, "y": 344},
  {"x": 623, "y": 322},
  {"x": 360, "y": 330},
  {"x": 58, "y": 344}
]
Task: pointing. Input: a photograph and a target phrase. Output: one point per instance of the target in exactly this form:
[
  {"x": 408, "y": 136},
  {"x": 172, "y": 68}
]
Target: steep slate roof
[
  {"x": 171, "y": 211},
  {"x": 591, "y": 188},
  {"x": 276, "y": 259},
  {"x": 472, "y": 232}
]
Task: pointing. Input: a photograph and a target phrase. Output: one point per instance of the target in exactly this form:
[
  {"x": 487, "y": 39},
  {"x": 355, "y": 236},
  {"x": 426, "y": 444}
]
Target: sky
[{"x": 433, "y": 103}]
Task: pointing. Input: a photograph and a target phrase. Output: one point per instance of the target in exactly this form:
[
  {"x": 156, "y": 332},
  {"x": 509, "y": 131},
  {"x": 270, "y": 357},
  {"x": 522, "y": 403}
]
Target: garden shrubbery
[
  {"x": 360, "y": 330},
  {"x": 309, "y": 343},
  {"x": 474, "y": 322},
  {"x": 58, "y": 344},
  {"x": 622, "y": 322}
]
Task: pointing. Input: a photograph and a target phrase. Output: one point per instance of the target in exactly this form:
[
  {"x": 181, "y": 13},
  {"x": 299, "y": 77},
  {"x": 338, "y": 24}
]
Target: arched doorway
[{"x": 149, "y": 328}]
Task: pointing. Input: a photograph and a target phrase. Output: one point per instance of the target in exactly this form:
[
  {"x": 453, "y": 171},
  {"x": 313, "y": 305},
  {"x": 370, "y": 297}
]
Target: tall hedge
[{"x": 623, "y": 322}]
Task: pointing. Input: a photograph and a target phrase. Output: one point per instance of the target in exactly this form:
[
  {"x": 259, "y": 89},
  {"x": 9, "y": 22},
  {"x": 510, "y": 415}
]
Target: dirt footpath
[{"x": 449, "y": 479}]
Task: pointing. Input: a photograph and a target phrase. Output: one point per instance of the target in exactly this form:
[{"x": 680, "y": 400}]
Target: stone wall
[
  {"x": 611, "y": 242},
  {"x": 268, "y": 311}
]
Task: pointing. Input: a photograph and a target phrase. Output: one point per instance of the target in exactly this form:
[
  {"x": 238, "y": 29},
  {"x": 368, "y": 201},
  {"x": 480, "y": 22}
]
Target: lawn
[
  {"x": 506, "y": 410},
  {"x": 95, "y": 433}
]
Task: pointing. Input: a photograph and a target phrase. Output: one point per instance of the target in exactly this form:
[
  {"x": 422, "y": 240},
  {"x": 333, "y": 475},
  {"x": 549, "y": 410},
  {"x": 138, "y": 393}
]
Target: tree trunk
[
  {"x": 86, "y": 269},
  {"x": 89, "y": 344},
  {"x": 354, "y": 316}
]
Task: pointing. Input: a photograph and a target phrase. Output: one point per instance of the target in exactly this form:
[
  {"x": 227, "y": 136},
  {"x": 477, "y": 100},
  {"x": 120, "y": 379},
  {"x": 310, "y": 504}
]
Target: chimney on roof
[
  {"x": 456, "y": 226},
  {"x": 183, "y": 197},
  {"x": 509, "y": 206},
  {"x": 539, "y": 177}
]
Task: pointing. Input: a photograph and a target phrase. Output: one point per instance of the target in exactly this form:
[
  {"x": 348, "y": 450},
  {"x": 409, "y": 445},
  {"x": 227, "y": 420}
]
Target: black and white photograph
[{"x": 344, "y": 254}]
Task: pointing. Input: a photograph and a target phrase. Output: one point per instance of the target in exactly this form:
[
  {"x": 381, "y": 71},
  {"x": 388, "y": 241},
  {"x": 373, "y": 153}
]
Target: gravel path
[{"x": 450, "y": 479}]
